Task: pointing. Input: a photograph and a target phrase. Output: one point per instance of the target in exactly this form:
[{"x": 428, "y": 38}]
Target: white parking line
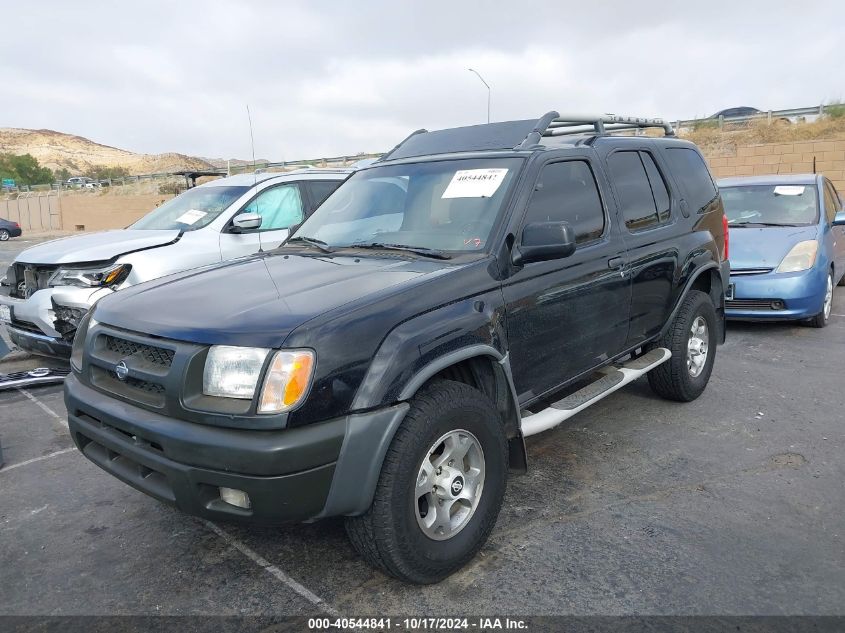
[
  {"x": 272, "y": 569},
  {"x": 45, "y": 408},
  {"x": 6, "y": 469},
  {"x": 232, "y": 541}
]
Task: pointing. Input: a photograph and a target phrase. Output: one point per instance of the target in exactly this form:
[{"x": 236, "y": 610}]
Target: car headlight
[
  {"x": 79, "y": 337},
  {"x": 287, "y": 381},
  {"x": 91, "y": 277},
  {"x": 802, "y": 256},
  {"x": 233, "y": 372}
]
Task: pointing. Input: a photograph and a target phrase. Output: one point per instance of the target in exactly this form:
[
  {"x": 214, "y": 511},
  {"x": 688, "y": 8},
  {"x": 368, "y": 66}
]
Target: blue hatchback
[{"x": 787, "y": 247}]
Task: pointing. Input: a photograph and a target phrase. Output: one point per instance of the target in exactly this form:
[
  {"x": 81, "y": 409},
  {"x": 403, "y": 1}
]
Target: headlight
[
  {"x": 79, "y": 341},
  {"x": 801, "y": 257},
  {"x": 233, "y": 372},
  {"x": 287, "y": 381},
  {"x": 91, "y": 277}
]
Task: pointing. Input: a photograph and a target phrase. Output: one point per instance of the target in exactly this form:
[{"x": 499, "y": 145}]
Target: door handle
[{"x": 616, "y": 263}]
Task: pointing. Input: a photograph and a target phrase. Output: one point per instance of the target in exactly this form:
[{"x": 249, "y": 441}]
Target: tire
[
  {"x": 822, "y": 318},
  {"x": 676, "y": 379},
  {"x": 4, "y": 235},
  {"x": 390, "y": 536}
]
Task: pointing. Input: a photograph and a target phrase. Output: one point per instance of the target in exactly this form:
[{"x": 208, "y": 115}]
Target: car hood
[
  {"x": 765, "y": 247},
  {"x": 256, "y": 301},
  {"x": 95, "y": 247}
]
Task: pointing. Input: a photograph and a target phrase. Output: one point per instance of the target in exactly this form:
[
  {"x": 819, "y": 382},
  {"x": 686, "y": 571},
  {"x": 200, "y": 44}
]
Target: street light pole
[{"x": 488, "y": 90}]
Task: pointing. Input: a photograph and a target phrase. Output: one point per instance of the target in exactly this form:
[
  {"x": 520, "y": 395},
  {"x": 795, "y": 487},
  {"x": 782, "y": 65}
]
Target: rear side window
[
  {"x": 643, "y": 197},
  {"x": 567, "y": 192},
  {"x": 688, "y": 167},
  {"x": 320, "y": 190}
]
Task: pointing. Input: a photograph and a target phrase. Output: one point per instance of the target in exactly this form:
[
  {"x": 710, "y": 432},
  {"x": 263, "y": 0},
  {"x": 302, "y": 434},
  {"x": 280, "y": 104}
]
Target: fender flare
[
  {"x": 518, "y": 453},
  {"x": 711, "y": 265},
  {"x": 368, "y": 436}
]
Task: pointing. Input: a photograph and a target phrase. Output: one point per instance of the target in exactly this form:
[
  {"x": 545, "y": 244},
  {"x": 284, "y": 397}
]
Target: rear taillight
[
  {"x": 17, "y": 226},
  {"x": 726, "y": 234}
]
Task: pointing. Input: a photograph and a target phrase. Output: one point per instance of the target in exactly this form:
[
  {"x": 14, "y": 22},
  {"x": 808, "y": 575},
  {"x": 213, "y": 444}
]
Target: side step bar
[{"x": 613, "y": 378}]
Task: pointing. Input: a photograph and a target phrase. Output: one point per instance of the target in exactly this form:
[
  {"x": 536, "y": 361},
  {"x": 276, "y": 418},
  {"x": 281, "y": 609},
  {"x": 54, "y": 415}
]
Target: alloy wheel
[{"x": 449, "y": 484}]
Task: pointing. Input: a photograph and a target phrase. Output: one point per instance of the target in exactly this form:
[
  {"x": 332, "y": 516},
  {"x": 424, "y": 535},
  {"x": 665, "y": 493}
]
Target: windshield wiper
[
  {"x": 418, "y": 250},
  {"x": 311, "y": 241}
]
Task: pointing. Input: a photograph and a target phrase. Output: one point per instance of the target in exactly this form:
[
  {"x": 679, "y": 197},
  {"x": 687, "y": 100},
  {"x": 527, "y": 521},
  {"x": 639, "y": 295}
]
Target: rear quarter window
[{"x": 694, "y": 177}]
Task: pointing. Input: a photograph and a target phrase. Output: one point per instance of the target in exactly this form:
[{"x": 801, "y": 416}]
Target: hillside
[{"x": 56, "y": 150}]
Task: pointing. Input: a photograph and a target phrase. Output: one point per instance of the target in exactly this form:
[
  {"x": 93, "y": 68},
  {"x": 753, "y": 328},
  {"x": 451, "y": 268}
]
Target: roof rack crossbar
[
  {"x": 590, "y": 129},
  {"x": 601, "y": 124}
]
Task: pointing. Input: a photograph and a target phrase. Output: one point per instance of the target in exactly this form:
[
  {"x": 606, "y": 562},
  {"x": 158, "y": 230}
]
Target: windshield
[
  {"x": 445, "y": 206},
  {"x": 771, "y": 205},
  {"x": 191, "y": 210}
]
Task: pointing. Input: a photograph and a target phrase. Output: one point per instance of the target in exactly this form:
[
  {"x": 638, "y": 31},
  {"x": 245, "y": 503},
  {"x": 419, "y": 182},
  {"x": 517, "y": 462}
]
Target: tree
[
  {"x": 61, "y": 174},
  {"x": 24, "y": 170}
]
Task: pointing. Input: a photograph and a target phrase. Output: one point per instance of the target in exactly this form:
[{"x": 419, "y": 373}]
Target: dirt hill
[{"x": 57, "y": 150}]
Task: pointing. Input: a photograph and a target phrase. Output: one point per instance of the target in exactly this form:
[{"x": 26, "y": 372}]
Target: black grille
[
  {"x": 124, "y": 348},
  {"x": 754, "y": 304},
  {"x": 132, "y": 388},
  {"x": 145, "y": 385}
]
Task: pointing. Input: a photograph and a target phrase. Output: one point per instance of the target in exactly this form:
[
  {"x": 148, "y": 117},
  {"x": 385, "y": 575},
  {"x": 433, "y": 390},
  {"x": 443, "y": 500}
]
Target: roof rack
[
  {"x": 524, "y": 134},
  {"x": 554, "y": 124}
]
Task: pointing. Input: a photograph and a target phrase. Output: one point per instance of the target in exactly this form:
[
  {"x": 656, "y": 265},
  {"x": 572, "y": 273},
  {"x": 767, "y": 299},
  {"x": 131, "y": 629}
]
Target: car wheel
[
  {"x": 692, "y": 340},
  {"x": 4, "y": 235},
  {"x": 821, "y": 319},
  {"x": 440, "y": 489}
]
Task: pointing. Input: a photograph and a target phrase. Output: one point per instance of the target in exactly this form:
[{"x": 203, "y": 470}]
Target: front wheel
[
  {"x": 821, "y": 319},
  {"x": 4, "y": 235},
  {"x": 692, "y": 340},
  {"x": 440, "y": 489}
]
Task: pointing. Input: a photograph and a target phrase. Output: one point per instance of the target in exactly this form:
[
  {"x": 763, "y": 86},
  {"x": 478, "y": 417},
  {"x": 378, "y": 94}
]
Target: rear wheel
[
  {"x": 692, "y": 340},
  {"x": 4, "y": 235},
  {"x": 821, "y": 319},
  {"x": 440, "y": 488}
]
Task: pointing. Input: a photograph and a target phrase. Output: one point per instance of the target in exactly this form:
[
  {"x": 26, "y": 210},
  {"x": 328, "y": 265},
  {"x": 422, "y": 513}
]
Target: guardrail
[{"x": 770, "y": 116}]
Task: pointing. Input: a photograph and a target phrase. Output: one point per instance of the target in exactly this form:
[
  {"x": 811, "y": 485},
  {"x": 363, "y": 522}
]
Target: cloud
[{"x": 338, "y": 78}]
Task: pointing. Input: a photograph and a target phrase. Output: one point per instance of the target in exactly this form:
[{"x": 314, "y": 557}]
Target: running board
[{"x": 613, "y": 378}]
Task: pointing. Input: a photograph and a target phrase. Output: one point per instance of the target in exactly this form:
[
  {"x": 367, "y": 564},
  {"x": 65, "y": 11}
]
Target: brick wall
[{"x": 782, "y": 158}]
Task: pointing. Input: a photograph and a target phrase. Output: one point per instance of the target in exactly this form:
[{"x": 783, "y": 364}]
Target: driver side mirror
[
  {"x": 545, "y": 241},
  {"x": 839, "y": 219},
  {"x": 245, "y": 222}
]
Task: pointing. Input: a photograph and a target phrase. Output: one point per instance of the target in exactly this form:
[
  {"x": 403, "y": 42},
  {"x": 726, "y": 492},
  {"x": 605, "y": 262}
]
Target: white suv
[{"x": 49, "y": 287}]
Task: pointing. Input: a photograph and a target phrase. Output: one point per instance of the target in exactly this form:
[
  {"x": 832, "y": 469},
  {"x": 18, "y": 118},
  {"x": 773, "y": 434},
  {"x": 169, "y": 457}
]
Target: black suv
[{"x": 474, "y": 286}]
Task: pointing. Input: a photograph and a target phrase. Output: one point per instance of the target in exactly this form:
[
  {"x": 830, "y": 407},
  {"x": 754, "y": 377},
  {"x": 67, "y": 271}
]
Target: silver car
[{"x": 50, "y": 287}]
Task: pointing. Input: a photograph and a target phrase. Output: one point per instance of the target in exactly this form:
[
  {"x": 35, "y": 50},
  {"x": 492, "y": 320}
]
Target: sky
[{"x": 335, "y": 78}]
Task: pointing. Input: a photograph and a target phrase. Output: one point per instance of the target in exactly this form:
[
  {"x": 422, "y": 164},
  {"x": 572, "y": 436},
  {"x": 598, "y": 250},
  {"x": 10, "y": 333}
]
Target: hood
[
  {"x": 765, "y": 247},
  {"x": 256, "y": 301},
  {"x": 95, "y": 247}
]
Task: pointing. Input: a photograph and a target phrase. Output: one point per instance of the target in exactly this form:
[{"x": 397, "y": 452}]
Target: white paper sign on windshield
[
  {"x": 789, "y": 190},
  {"x": 474, "y": 183},
  {"x": 191, "y": 217}
]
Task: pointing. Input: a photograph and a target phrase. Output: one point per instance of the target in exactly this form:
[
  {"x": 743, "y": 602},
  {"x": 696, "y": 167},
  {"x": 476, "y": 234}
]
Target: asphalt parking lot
[{"x": 732, "y": 504}]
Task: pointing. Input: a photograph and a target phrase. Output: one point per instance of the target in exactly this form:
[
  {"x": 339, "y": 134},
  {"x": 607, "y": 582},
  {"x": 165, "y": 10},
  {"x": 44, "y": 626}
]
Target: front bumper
[
  {"x": 33, "y": 325},
  {"x": 778, "y": 296},
  {"x": 290, "y": 475}
]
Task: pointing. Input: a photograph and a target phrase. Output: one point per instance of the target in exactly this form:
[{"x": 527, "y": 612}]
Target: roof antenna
[{"x": 254, "y": 174}]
